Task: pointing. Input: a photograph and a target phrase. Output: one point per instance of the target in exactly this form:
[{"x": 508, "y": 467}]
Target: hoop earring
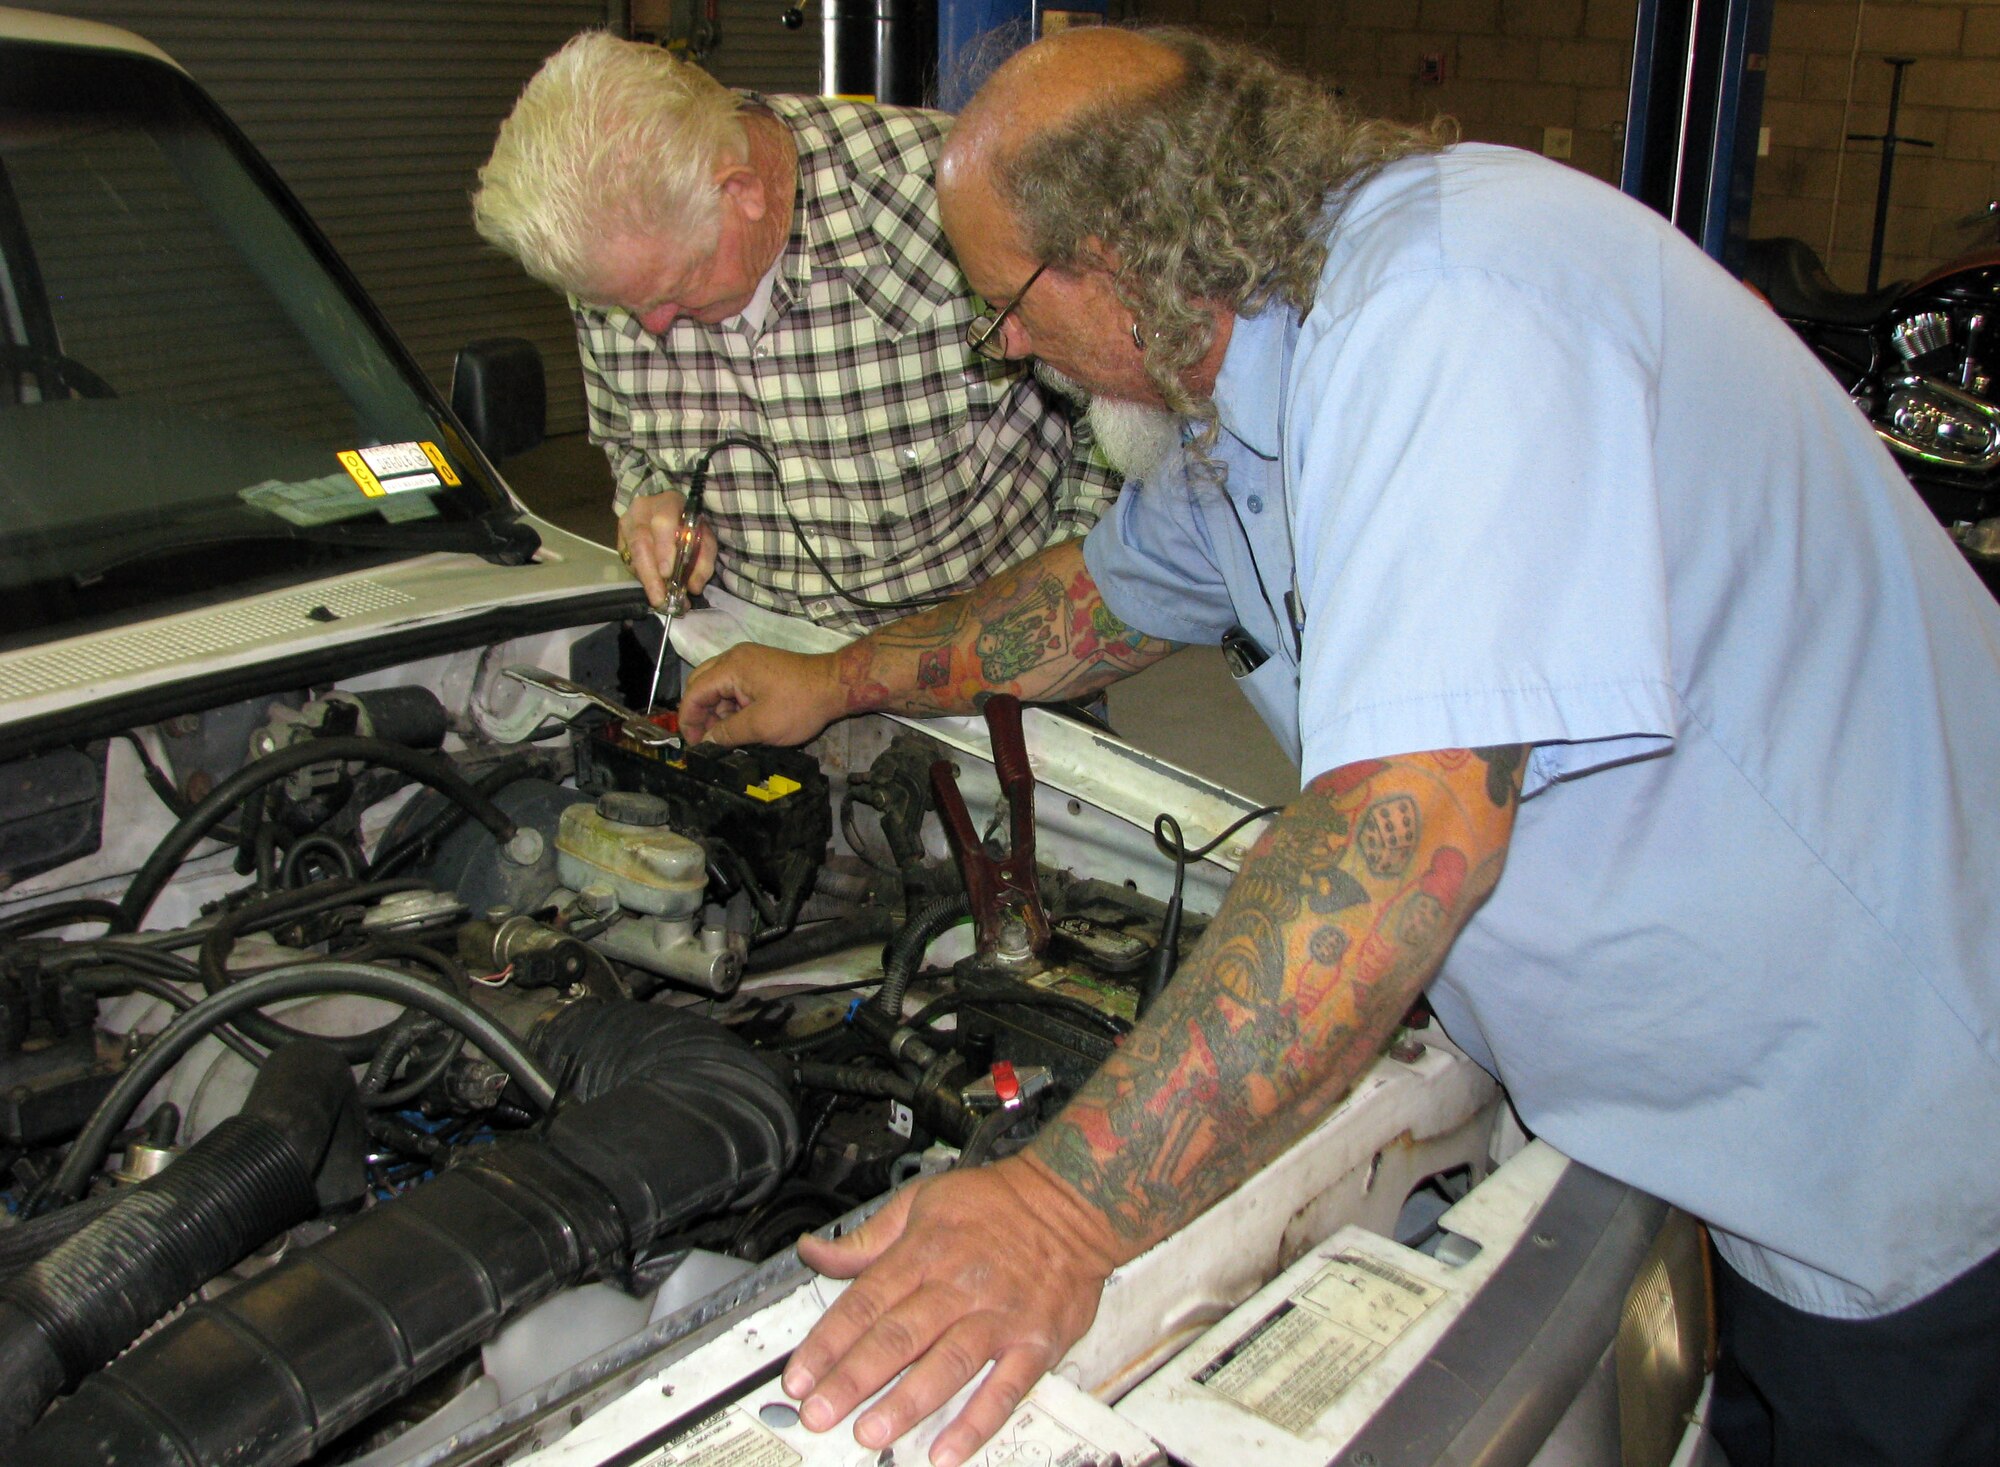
[{"x": 1137, "y": 344}]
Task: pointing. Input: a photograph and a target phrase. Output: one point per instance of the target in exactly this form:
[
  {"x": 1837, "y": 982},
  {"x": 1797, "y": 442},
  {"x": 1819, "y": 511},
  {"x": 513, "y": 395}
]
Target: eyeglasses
[{"x": 983, "y": 334}]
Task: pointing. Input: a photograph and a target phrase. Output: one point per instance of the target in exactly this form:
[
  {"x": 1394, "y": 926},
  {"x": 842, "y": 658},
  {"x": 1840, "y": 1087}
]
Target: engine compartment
[{"x": 341, "y": 1027}]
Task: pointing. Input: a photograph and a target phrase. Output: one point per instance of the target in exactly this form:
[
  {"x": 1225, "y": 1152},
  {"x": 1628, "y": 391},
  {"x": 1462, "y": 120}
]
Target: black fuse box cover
[{"x": 771, "y": 805}]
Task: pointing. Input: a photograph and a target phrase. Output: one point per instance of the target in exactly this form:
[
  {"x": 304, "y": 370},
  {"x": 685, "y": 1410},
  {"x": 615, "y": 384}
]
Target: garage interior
[
  {"x": 1869, "y": 130},
  {"x": 378, "y": 114}
]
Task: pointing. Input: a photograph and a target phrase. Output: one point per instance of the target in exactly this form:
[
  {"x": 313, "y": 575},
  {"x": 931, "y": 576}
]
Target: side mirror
[{"x": 500, "y": 395}]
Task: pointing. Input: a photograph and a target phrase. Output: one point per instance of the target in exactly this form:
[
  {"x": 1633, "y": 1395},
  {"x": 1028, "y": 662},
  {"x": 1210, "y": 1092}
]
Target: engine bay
[{"x": 342, "y": 1026}]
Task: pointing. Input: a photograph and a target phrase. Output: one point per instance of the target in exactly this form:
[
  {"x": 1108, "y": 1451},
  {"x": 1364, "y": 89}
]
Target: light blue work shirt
[{"x": 1551, "y": 477}]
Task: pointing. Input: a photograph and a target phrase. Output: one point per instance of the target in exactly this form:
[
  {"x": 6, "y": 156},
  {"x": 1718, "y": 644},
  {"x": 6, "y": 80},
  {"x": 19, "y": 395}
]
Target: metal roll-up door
[
  {"x": 756, "y": 50},
  {"x": 378, "y": 114}
]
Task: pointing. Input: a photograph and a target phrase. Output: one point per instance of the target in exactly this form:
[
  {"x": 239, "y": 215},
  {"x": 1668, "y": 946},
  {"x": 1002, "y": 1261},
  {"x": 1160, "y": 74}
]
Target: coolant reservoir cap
[{"x": 632, "y": 807}]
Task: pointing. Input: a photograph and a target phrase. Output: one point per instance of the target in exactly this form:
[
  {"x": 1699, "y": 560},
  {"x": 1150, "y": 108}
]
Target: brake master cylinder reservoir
[{"x": 623, "y": 842}]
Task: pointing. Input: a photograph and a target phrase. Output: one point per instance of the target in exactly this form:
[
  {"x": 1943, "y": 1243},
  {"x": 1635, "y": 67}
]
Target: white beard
[{"x": 1134, "y": 438}]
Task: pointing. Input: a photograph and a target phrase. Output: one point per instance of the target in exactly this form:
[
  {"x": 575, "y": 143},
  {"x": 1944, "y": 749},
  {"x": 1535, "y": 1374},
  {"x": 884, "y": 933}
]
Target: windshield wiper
[{"x": 499, "y": 536}]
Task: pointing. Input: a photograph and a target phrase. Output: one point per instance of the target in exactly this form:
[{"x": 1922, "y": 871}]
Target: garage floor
[{"x": 1182, "y": 709}]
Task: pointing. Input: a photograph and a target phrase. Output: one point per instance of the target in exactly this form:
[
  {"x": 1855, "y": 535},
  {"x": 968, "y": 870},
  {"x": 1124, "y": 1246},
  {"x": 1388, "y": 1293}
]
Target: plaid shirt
[{"x": 914, "y": 467}]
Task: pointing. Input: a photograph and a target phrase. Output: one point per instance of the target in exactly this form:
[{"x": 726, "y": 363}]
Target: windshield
[{"x": 193, "y": 401}]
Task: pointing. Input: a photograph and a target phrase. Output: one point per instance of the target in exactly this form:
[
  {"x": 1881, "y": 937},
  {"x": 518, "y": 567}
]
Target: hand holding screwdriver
[{"x": 652, "y": 533}]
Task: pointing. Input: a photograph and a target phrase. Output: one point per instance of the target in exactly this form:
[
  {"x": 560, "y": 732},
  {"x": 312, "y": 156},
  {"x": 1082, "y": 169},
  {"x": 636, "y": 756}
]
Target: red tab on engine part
[{"x": 1006, "y": 1084}]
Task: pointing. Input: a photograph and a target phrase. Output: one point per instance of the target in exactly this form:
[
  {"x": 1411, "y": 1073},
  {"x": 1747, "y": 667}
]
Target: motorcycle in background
[{"x": 1922, "y": 361}]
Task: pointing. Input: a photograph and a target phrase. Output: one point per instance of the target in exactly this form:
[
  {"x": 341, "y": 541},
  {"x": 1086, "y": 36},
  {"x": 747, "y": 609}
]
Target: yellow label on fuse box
[{"x": 774, "y": 788}]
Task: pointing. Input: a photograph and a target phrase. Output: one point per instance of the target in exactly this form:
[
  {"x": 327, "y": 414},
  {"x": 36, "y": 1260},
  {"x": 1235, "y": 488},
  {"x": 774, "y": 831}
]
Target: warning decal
[
  {"x": 397, "y": 468},
  {"x": 732, "y": 1437},
  {"x": 1292, "y": 1365}
]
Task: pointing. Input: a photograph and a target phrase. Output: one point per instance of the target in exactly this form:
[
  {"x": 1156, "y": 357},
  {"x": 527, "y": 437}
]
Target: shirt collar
[{"x": 1249, "y": 386}]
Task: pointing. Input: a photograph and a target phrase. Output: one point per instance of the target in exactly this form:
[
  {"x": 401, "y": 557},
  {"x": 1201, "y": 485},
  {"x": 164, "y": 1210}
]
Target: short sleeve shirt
[{"x": 1534, "y": 471}]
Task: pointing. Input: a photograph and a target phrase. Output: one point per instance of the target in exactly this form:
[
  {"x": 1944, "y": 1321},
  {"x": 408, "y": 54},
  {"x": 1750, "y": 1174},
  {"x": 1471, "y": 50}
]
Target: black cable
[
  {"x": 290, "y": 906},
  {"x": 406, "y": 1036},
  {"x": 61, "y": 914},
  {"x": 1116, "y": 1027},
  {"x": 156, "y": 778},
  {"x": 815, "y": 940},
  {"x": 301, "y": 980},
  {"x": 854, "y": 1080},
  {"x": 697, "y": 481},
  {"x": 129, "y": 966},
  {"x": 512, "y": 770},
  {"x": 788, "y": 916},
  {"x": 905, "y": 953},
  {"x": 342, "y": 854},
  {"x": 264, "y": 855},
  {"x": 122, "y": 980},
  {"x": 381, "y": 1098},
  {"x": 433, "y": 770},
  {"x": 1166, "y": 952}
]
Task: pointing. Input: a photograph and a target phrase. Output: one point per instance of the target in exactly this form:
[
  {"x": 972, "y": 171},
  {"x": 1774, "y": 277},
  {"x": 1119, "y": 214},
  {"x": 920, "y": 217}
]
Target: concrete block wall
[
  {"x": 1826, "y": 78},
  {"x": 1510, "y": 71}
]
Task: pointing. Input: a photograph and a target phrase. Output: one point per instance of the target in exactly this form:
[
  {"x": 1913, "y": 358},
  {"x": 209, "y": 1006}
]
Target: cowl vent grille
[{"x": 175, "y": 642}]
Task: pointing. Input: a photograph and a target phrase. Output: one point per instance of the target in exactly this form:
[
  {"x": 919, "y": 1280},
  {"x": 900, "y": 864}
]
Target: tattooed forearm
[
  {"x": 1039, "y": 631},
  {"x": 1339, "y": 917}
]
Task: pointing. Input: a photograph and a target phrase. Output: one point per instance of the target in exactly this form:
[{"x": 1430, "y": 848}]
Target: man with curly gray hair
[
  {"x": 1668, "y": 723},
  {"x": 774, "y": 269}
]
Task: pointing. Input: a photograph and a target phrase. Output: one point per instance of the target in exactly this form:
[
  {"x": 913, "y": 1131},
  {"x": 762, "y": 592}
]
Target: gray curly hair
[
  {"x": 611, "y": 137},
  {"x": 1208, "y": 190}
]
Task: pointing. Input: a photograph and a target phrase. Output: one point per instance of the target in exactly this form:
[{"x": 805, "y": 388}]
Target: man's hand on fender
[
  {"x": 753, "y": 694},
  {"x": 1003, "y": 1263},
  {"x": 646, "y": 541}
]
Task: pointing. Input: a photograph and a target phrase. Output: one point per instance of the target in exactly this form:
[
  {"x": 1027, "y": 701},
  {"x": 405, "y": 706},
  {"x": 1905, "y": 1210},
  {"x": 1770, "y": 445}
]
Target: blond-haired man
[{"x": 774, "y": 268}]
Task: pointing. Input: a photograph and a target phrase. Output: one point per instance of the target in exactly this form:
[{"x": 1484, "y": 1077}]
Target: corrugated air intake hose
[
  {"x": 81, "y": 1303},
  {"x": 670, "y": 1117}
]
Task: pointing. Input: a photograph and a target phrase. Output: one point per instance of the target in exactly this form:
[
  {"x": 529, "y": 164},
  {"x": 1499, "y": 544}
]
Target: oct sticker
[{"x": 397, "y": 468}]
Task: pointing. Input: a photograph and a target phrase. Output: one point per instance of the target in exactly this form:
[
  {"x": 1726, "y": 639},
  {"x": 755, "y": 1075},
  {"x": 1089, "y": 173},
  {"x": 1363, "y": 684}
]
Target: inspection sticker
[
  {"x": 396, "y": 468},
  {"x": 1292, "y": 1365},
  {"x": 732, "y": 1437}
]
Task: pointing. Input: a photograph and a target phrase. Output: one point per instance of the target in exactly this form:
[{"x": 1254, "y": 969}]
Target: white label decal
[
  {"x": 731, "y": 1437},
  {"x": 1292, "y": 1365}
]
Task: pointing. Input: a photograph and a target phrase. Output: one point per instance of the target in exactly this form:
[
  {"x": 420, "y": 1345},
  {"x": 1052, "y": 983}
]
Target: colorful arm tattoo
[
  {"x": 1040, "y": 631},
  {"x": 1340, "y": 916}
]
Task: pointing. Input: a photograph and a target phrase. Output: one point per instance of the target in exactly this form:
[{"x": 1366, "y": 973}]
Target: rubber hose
[
  {"x": 431, "y": 769},
  {"x": 300, "y": 980},
  {"x": 907, "y": 948},
  {"x": 85, "y": 1300},
  {"x": 117, "y": 980},
  {"x": 872, "y": 925},
  {"x": 339, "y": 851},
  {"x": 26, "y": 1241},
  {"x": 405, "y": 1035},
  {"x": 531, "y": 765},
  {"x": 61, "y": 914},
  {"x": 693, "y": 1123},
  {"x": 289, "y": 906},
  {"x": 853, "y": 1080}
]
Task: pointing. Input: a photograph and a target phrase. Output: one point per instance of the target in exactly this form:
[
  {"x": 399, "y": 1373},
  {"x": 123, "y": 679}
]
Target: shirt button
[
  {"x": 763, "y": 351},
  {"x": 909, "y": 455},
  {"x": 1255, "y": 504}
]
